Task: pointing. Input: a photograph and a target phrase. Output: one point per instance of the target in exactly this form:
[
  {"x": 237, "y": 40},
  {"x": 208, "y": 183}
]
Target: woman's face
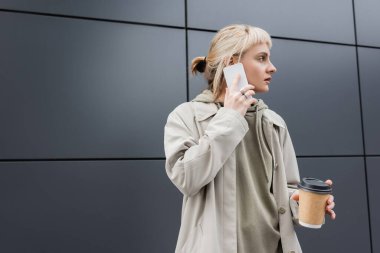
[{"x": 258, "y": 67}]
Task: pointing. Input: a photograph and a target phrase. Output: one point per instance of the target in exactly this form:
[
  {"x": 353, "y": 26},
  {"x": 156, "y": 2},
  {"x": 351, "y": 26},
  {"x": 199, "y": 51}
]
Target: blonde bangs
[{"x": 255, "y": 36}]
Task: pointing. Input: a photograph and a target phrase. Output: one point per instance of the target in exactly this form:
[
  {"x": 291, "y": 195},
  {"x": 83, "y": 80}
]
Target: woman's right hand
[{"x": 239, "y": 100}]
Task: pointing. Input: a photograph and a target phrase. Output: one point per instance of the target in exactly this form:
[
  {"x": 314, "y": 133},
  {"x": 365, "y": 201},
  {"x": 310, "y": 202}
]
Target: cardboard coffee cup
[{"x": 312, "y": 202}]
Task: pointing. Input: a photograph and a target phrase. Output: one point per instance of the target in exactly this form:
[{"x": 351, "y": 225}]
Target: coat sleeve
[
  {"x": 192, "y": 163},
  {"x": 292, "y": 172}
]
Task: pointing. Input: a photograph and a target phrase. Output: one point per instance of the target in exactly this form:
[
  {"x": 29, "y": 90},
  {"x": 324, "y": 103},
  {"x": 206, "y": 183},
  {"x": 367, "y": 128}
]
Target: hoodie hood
[{"x": 207, "y": 97}]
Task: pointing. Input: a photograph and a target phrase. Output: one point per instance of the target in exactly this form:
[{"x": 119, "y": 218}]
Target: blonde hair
[{"x": 230, "y": 41}]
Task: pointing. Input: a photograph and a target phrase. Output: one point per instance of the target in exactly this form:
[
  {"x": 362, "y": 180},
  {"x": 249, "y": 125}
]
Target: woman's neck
[{"x": 221, "y": 96}]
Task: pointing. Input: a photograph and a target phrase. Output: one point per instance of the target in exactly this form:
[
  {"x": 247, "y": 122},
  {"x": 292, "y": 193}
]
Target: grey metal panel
[
  {"x": 88, "y": 206},
  {"x": 373, "y": 170},
  {"x": 315, "y": 90},
  {"x": 367, "y": 22},
  {"x": 350, "y": 231},
  {"x": 369, "y": 62},
  {"x": 167, "y": 12},
  {"x": 316, "y": 20},
  {"x": 198, "y": 45},
  {"x": 77, "y": 88}
]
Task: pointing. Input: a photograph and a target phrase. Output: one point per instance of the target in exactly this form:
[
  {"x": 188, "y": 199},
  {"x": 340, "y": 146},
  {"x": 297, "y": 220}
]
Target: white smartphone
[{"x": 230, "y": 73}]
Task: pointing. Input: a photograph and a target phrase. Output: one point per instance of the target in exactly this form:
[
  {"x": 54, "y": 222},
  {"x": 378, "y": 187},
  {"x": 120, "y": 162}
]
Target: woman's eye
[{"x": 261, "y": 58}]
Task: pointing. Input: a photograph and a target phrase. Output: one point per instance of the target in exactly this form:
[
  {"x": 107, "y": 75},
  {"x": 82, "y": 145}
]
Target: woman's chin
[{"x": 263, "y": 89}]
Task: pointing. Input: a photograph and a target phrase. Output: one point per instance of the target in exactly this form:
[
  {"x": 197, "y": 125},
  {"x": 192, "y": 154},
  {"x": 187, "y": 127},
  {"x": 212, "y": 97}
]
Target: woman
[{"x": 232, "y": 157}]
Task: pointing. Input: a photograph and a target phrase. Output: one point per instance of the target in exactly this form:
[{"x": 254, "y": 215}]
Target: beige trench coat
[{"x": 200, "y": 140}]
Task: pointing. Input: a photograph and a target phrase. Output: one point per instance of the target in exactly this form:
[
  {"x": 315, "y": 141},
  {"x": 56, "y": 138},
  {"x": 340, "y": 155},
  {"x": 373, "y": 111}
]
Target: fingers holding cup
[{"x": 330, "y": 204}]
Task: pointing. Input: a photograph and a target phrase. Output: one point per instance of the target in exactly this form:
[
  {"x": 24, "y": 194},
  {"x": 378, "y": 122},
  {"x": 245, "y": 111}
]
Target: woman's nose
[{"x": 272, "y": 69}]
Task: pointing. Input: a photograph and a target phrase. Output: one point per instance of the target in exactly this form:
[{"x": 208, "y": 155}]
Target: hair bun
[{"x": 201, "y": 66}]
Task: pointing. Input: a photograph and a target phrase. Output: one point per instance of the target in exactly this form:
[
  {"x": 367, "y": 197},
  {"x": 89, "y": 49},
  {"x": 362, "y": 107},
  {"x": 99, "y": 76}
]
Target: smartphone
[{"x": 230, "y": 73}]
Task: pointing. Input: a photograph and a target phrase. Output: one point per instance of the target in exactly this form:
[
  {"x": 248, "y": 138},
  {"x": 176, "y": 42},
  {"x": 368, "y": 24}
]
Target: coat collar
[
  {"x": 204, "y": 111},
  {"x": 205, "y": 108}
]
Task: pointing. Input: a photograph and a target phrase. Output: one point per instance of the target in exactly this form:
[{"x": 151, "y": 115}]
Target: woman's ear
[{"x": 231, "y": 61}]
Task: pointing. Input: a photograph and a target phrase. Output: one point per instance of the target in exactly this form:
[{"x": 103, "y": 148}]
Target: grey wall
[{"x": 86, "y": 86}]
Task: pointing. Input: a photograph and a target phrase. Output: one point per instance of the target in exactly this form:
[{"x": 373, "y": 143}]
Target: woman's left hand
[{"x": 330, "y": 204}]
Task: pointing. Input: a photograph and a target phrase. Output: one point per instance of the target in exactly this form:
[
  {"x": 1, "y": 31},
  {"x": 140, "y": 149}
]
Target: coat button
[{"x": 281, "y": 210}]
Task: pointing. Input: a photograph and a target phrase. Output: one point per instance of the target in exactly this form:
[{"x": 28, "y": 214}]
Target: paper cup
[{"x": 312, "y": 202}]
